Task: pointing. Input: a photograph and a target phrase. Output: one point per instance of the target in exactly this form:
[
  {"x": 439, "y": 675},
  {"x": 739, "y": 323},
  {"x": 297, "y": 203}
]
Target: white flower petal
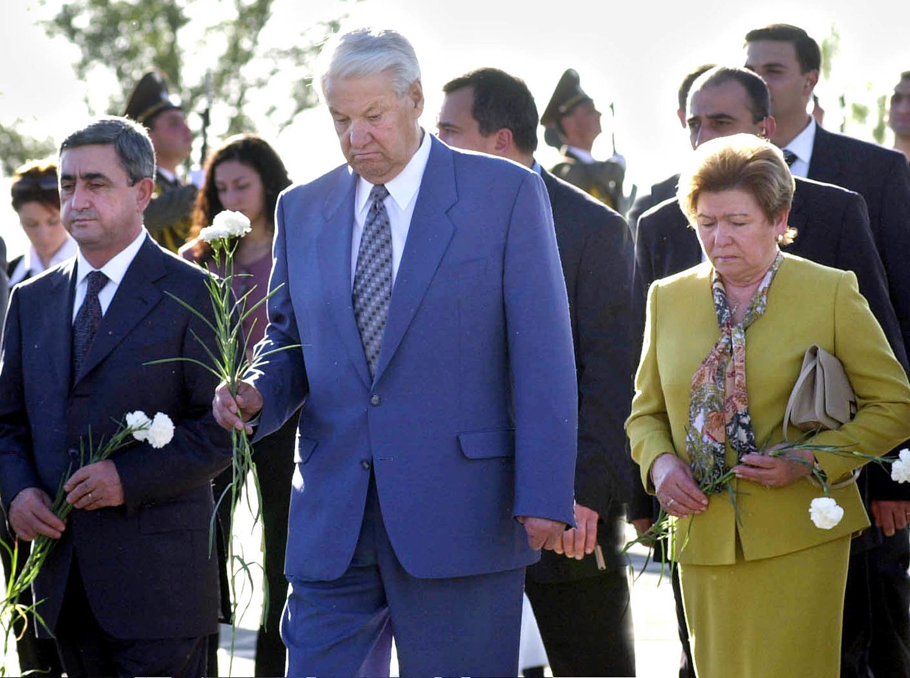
[
  {"x": 825, "y": 512},
  {"x": 139, "y": 422},
  {"x": 234, "y": 224},
  {"x": 161, "y": 431}
]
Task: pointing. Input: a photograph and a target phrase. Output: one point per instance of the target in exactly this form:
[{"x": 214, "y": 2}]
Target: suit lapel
[
  {"x": 428, "y": 238},
  {"x": 334, "y": 248},
  {"x": 824, "y": 164},
  {"x": 132, "y": 301},
  {"x": 57, "y": 322}
]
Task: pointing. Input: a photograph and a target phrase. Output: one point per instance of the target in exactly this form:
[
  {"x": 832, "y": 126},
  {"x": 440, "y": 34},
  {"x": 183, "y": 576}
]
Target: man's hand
[
  {"x": 891, "y": 515},
  {"x": 95, "y": 486},
  {"x": 543, "y": 533},
  {"x": 30, "y": 515},
  {"x": 581, "y": 540},
  {"x": 233, "y": 413}
]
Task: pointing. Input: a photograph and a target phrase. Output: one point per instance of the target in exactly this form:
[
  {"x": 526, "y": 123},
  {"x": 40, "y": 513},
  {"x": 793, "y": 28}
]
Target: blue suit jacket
[
  {"x": 145, "y": 565},
  {"x": 471, "y": 418}
]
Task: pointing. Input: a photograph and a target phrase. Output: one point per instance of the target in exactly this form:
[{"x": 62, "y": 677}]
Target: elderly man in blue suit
[{"x": 436, "y": 447}]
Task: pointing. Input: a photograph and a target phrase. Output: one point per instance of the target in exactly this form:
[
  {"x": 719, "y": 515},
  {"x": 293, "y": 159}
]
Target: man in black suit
[
  {"x": 581, "y": 605},
  {"x": 129, "y": 588},
  {"x": 899, "y": 114},
  {"x": 832, "y": 224},
  {"x": 4, "y": 280},
  {"x": 666, "y": 189},
  {"x": 877, "y": 621}
]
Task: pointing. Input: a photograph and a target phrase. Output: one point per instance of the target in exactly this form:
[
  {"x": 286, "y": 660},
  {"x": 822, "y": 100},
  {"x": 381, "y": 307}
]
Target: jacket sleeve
[
  {"x": 282, "y": 382},
  {"x": 648, "y": 427},
  {"x": 545, "y": 393},
  {"x": 200, "y": 448},
  {"x": 602, "y": 309},
  {"x": 17, "y": 471},
  {"x": 883, "y": 394}
]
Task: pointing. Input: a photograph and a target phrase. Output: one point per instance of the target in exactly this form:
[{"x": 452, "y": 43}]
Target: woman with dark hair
[
  {"x": 37, "y": 202},
  {"x": 246, "y": 175}
]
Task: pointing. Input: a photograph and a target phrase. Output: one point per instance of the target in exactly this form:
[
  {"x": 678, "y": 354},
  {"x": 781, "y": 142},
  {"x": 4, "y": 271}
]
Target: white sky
[{"x": 630, "y": 53}]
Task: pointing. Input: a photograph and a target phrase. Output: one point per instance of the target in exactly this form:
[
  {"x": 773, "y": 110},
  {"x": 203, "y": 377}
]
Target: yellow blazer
[{"x": 807, "y": 304}]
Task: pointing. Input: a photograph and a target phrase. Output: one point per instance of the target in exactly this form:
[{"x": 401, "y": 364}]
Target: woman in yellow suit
[{"x": 763, "y": 593}]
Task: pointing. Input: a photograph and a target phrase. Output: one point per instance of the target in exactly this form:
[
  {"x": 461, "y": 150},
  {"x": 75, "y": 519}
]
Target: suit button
[
  {"x": 73, "y": 453},
  {"x": 375, "y": 400},
  {"x": 365, "y": 464}
]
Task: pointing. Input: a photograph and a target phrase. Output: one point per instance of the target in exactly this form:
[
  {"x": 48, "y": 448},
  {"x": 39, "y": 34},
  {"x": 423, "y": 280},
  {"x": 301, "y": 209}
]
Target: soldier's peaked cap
[
  {"x": 149, "y": 98},
  {"x": 566, "y": 96}
]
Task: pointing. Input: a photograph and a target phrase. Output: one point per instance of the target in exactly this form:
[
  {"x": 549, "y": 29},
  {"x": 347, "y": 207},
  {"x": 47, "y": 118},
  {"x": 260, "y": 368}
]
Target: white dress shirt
[
  {"x": 399, "y": 205},
  {"x": 801, "y": 147},
  {"x": 115, "y": 269},
  {"x": 30, "y": 265}
]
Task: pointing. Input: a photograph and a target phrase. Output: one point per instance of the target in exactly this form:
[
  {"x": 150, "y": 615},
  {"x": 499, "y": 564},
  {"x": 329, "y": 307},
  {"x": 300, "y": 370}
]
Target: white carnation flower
[
  {"x": 212, "y": 233},
  {"x": 161, "y": 431},
  {"x": 235, "y": 224},
  {"x": 825, "y": 512},
  {"x": 139, "y": 422},
  {"x": 900, "y": 469}
]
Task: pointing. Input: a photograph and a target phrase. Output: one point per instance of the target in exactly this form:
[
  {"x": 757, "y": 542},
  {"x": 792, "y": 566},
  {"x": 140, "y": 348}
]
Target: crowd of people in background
[{"x": 493, "y": 368}]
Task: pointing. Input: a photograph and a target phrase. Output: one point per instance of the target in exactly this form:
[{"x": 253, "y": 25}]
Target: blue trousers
[{"x": 463, "y": 626}]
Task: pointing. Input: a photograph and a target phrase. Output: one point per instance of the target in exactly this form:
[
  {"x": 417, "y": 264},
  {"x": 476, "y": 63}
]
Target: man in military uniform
[
  {"x": 167, "y": 217},
  {"x": 573, "y": 122}
]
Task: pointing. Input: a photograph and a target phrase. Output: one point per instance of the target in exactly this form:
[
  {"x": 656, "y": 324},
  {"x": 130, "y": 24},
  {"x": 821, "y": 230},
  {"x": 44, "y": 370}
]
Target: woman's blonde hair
[{"x": 740, "y": 161}]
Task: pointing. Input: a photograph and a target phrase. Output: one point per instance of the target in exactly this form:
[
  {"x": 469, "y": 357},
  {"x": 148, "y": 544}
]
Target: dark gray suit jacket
[
  {"x": 145, "y": 565},
  {"x": 595, "y": 248}
]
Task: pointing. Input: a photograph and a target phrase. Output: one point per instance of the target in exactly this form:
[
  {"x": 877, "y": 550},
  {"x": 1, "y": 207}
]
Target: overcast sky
[{"x": 632, "y": 54}]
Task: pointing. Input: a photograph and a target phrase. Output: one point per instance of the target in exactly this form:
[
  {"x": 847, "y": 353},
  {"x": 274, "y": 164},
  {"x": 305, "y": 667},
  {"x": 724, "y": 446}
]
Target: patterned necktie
[
  {"x": 373, "y": 277},
  {"x": 789, "y": 157},
  {"x": 87, "y": 320}
]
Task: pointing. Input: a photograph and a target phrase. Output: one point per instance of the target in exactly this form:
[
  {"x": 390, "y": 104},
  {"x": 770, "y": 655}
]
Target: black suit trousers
[{"x": 586, "y": 624}]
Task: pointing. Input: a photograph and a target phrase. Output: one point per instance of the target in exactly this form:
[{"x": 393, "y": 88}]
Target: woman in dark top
[{"x": 246, "y": 175}]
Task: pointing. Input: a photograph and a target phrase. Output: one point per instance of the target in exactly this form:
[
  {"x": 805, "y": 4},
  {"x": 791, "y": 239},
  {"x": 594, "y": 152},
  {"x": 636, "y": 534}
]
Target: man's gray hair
[
  {"x": 129, "y": 139},
  {"x": 368, "y": 51}
]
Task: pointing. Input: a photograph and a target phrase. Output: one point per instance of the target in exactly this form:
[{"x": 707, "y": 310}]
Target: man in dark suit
[
  {"x": 877, "y": 621},
  {"x": 4, "y": 280},
  {"x": 170, "y": 210},
  {"x": 421, "y": 290},
  {"x": 832, "y": 223},
  {"x": 666, "y": 189},
  {"x": 129, "y": 588},
  {"x": 581, "y": 604},
  {"x": 899, "y": 114}
]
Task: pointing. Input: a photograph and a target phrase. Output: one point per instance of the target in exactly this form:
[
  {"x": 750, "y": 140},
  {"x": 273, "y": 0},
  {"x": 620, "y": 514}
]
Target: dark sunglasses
[{"x": 27, "y": 185}]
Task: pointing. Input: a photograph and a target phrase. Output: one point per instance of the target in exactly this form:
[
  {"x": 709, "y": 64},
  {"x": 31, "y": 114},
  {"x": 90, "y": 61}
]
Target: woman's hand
[
  {"x": 675, "y": 487},
  {"x": 776, "y": 471}
]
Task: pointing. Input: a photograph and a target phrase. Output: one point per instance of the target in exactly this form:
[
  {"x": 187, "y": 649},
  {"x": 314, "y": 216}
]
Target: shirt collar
[
  {"x": 537, "y": 168},
  {"x": 405, "y": 185},
  {"x": 582, "y": 155},
  {"x": 116, "y": 268},
  {"x": 170, "y": 176},
  {"x": 802, "y": 143}
]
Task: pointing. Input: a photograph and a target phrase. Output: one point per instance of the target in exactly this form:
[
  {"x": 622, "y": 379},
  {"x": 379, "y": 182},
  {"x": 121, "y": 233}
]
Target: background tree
[
  {"x": 17, "y": 148},
  {"x": 212, "y": 53}
]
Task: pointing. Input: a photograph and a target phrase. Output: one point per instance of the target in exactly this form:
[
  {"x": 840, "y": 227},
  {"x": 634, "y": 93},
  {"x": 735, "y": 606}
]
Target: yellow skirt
[{"x": 768, "y": 618}]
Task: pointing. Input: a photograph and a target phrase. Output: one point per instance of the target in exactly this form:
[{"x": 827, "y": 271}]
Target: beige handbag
[{"x": 822, "y": 397}]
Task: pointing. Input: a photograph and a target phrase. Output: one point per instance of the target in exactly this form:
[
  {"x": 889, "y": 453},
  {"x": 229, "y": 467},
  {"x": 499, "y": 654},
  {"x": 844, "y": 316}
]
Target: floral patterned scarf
[{"x": 719, "y": 403}]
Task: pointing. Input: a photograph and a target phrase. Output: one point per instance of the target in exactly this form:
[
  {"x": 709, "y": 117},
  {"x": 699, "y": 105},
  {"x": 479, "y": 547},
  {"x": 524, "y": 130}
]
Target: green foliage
[
  {"x": 131, "y": 36},
  {"x": 830, "y": 48},
  {"x": 17, "y": 148},
  {"x": 878, "y": 132}
]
